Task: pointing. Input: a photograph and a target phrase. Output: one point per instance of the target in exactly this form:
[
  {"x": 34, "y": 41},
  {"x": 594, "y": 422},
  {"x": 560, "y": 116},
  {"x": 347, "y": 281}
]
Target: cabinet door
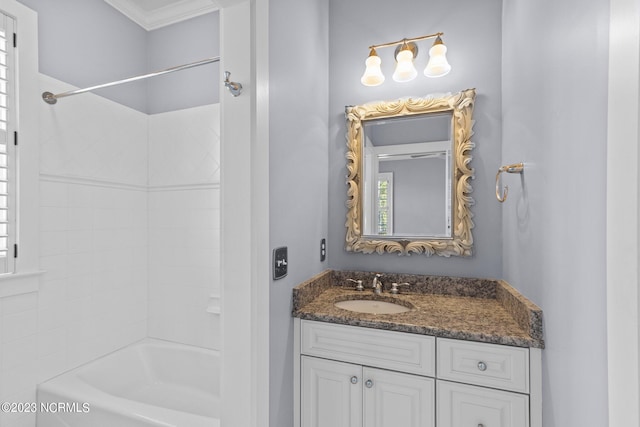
[
  {"x": 331, "y": 393},
  {"x": 393, "y": 399},
  {"x": 461, "y": 405}
]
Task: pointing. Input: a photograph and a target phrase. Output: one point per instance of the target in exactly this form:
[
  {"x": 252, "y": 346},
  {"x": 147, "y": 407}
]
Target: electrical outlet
[
  {"x": 323, "y": 249},
  {"x": 280, "y": 262}
]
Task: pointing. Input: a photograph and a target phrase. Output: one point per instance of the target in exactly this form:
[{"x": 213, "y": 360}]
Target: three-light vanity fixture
[{"x": 405, "y": 53}]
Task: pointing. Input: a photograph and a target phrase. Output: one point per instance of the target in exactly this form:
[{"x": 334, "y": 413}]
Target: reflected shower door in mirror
[{"x": 407, "y": 176}]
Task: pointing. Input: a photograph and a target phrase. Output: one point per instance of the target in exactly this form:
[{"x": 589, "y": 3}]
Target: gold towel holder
[{"x": 514, "y": 168}]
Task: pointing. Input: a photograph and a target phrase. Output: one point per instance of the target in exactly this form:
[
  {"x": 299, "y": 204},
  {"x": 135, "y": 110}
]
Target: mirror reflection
[{"x": 407, "y": 176}]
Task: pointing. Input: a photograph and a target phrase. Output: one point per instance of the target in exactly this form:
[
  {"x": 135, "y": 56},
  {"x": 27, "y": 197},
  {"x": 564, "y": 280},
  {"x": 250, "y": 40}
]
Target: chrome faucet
[{"x": 377, "y": 284}]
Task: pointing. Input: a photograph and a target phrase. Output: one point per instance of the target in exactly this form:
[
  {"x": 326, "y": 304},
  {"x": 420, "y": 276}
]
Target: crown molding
[{"x": 164, "y": 15}]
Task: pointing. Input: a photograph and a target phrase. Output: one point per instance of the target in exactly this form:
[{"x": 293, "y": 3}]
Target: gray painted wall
[
  {"x": 555, "y": 119},
  {"x": 298, "y": 98},
  {"x": 182, "y": 43},
  {"x": 473, "y": 35},
  {"x": 87, "y": 42},
  {"x": 409, "y": 129}
]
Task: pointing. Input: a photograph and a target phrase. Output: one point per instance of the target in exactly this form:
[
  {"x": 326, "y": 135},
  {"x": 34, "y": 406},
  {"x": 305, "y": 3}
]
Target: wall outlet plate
[{"x": 280, "y": 262}]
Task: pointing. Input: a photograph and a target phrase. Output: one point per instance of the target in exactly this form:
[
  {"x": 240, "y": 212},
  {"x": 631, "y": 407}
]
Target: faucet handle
[
  {"x": 358, "y": 283},
  {"x": 394, "y": 287}
]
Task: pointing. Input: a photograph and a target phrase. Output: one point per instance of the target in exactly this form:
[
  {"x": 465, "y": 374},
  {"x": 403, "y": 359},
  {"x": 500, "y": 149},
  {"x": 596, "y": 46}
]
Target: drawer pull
[
  {"x": 483, "y": 367},
  {"x": 480, "y": 425},
  {"x": 368, "y": 384},
  {"x": 354, "y": 380}
]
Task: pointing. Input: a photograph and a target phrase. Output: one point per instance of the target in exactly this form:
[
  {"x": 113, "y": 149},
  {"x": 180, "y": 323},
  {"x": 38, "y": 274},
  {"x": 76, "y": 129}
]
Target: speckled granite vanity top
[{"x": 463, "y": 308}]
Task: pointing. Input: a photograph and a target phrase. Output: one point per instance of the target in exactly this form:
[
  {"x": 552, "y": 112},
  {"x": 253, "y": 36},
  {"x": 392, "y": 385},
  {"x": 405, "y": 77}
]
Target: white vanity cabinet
[
  {"x": 337, "y": 394},
  {"x": 368, "y": 390},
  {"x": 350, "y": 376}
]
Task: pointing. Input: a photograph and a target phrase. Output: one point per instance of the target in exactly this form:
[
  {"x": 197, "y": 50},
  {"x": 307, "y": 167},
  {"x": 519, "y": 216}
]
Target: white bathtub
[{"x": 150, "y": 383}]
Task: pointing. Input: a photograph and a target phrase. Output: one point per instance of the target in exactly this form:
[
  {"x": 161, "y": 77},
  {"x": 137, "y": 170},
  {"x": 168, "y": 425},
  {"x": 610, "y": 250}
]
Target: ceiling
[{"x": 154, "y": 14}]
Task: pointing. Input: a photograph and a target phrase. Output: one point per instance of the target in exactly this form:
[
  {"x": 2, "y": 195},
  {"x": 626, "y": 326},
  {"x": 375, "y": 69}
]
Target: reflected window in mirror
[{"x": 384, "y": 205}]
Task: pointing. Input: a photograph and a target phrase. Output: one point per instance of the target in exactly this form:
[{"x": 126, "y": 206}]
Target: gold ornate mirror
[{"x": 409, "y": 176}]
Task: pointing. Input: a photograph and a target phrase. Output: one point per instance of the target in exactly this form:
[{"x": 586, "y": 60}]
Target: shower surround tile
[
  {"x": 90, "y": 259},
  {"x": 184, "y": 225},
  {"x": 91, "y": 137},
  {"x": 184, "y": 265},
  {"x": 184, "y": 147}
]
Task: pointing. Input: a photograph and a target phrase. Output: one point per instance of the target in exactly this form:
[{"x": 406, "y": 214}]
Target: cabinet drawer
[
  {"x": 371, "y": 347},
  {"x": 466, "y": 405},
  {"x": 489, "y": 365}
]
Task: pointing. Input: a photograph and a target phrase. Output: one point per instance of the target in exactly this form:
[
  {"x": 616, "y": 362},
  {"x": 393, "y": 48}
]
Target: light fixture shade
[
  {"x": 372, "y": 74},
  {"x": 405, "y": 70},
  {"x": 438, "y": 65}
]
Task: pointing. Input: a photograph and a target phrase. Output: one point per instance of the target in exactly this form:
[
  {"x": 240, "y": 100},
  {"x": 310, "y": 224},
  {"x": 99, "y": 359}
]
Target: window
[
  {"x": 384, "y": 204},
  {"x": 8, "y": 166},
  {"x": 20, "y": 100}
]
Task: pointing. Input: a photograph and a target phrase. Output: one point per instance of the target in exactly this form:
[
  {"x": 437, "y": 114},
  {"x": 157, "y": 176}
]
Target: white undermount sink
[{"x": 372, "y": 306}]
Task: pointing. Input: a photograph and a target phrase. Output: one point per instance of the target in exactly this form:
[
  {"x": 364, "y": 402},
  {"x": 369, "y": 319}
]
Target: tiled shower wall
[
  {"x": 93, "y": 221},
  {"x": 184, "y": 225},
  {"x": 184, "y": 266},
  {"x": 102, "y": 237}
]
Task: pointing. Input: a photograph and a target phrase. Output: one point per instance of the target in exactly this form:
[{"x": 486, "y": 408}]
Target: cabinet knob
[
  {"x": 354, "y": 380},
  {"x": 368, "y": 384},
  {"x": 483, "y": 367}
]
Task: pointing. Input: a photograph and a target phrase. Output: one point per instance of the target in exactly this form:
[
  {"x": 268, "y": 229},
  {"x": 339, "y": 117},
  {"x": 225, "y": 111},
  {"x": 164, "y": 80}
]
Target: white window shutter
[{"x": 8, "y": 147}]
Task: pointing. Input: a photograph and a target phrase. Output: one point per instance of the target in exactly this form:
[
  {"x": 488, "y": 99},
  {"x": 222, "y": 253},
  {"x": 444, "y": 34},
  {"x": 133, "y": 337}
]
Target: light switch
[{"x": 280, "y": 262}]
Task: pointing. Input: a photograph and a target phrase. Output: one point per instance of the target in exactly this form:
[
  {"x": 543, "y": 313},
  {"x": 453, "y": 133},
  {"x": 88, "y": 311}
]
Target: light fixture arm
[{"x": 399, "y": 42}]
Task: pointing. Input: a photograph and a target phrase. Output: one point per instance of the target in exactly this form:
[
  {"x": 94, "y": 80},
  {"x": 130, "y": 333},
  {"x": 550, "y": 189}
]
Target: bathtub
[{"x": 149, "y": 383}]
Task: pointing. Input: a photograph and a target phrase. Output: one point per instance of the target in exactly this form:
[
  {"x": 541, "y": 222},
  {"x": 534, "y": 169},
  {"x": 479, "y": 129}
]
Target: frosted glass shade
[
  {"x": 438, "y": 65},
  {"x": 372, "y": 74},
  {"x": 405, "y": 70}
]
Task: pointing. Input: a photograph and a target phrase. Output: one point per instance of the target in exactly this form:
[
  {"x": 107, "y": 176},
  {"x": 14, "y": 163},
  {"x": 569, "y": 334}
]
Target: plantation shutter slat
[{"x": 8, "y": 167}]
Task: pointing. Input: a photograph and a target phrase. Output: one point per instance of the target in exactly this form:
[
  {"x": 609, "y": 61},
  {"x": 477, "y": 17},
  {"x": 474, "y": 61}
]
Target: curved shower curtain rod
[{"x": 234, "y": 88}]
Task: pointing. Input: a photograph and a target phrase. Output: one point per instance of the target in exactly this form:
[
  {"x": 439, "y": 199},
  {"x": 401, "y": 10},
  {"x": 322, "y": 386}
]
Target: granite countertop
[{"x": 482, "y": 310}]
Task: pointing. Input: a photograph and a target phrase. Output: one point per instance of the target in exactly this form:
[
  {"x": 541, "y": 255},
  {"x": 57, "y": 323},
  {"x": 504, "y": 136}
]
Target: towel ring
[{"x": 514, "y": 168}]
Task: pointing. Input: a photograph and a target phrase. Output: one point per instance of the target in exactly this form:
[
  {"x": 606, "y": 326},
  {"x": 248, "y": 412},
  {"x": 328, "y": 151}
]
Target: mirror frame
[{"x": 461, "y": 241}]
